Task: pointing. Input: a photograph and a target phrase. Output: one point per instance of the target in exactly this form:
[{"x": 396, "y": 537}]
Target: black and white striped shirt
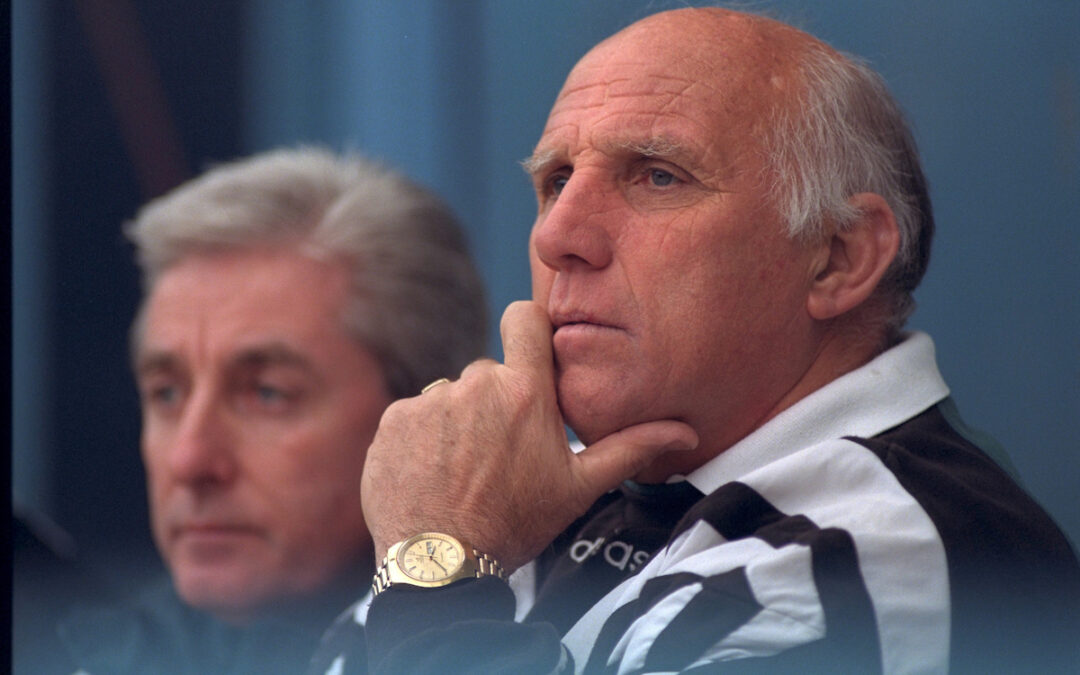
[{"x": 861, "y": 530}]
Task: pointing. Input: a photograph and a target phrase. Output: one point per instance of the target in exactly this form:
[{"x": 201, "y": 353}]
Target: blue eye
[
  {"x": 661, "y": 178},
  {"x": 557, "y": 183}
]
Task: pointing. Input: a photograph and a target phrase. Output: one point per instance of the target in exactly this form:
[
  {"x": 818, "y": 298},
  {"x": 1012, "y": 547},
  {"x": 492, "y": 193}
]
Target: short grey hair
[
  {"x": 416, "y": 299},
  {"x": 846, "y": 134}
]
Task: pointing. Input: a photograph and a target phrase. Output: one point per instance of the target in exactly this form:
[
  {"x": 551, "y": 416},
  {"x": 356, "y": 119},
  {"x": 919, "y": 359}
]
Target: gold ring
[{"x": 441, "y": 380}]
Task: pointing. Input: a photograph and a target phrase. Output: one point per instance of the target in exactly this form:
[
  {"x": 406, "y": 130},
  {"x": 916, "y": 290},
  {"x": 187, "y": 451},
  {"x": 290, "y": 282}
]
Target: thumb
[
  {"x": 526, "y": 338},
  {"x": 625, "y": 453}
]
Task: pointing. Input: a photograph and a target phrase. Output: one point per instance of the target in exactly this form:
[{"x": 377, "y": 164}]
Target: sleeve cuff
[{"x": 402, "y": 613}]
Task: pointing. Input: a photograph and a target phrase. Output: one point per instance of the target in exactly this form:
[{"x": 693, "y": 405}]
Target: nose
[
  {"x": 201, "y": 453},
  {"x": 577, "y": 230}
]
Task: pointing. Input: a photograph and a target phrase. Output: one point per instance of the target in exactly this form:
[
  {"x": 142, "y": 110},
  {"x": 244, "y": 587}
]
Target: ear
[{"x": 853, "y": 261}]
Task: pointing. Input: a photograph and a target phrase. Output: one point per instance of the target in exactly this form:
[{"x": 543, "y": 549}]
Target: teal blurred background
[{"x": 116, "y": 101}]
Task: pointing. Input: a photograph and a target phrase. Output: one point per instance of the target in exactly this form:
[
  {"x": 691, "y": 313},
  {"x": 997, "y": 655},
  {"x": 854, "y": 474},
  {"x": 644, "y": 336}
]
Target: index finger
[{"x": 526, "y": 338}]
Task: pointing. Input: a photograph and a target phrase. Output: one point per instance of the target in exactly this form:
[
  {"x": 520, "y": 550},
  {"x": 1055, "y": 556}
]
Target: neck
[{"x": 843, "y": 346}]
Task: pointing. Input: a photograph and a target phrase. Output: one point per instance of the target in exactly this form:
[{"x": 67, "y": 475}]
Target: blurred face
[
  {"x": 671, "y": 285},
  {"x": 257, "y": 412}
]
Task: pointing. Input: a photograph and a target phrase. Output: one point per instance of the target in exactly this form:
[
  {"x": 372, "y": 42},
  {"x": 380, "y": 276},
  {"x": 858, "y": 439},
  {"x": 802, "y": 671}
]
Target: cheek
[
  {"x": 320, "y": 465},
  {"x": 323, "y": 470},
  {"x": 154, "y": 458},
  {"x": 156, "y": 492},
  {"x": 314, "y": 499},
  {"x": 323, "y": 511},
  {"x": 710, "y": 292}
]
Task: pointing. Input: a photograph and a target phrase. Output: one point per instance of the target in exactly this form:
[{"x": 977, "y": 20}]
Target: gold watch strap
[
  {"x": 381, "y": 580},
  {"x": 486, "y": 566}
]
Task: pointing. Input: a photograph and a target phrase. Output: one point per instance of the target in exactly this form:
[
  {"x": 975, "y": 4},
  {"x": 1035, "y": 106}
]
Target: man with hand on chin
[{"x": 731, "y": 221}]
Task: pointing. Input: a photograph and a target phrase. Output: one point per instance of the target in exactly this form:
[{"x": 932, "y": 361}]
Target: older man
[
  {"x": 732, "y": 219},
  {"x": 289, "y": 298}
]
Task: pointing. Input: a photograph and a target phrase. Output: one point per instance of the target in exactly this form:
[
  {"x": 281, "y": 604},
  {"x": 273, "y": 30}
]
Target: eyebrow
[
  {"x": 538, "y": 162},
  {"x": 271, "y": 353},
  {"x": 148, "y": 362},
  {"x": 274, "y": 353},
  {"x": 657, "y": 146}
]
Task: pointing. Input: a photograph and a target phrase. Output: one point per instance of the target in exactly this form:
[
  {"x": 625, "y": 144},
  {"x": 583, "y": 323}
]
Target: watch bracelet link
[
  {"x": 485, "y": 566},
  {"x": 381, "y": 581},
  {"x": 488, "y": 566}
]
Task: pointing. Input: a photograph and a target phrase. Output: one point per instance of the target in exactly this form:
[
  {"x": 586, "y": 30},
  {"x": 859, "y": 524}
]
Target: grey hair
[
  {"x": 416, "y": 300},
  {"x": 845, "y": 135}
]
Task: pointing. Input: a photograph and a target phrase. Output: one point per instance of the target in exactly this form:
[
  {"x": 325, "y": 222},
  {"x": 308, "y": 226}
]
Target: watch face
[{"x": 430, "y": 558}]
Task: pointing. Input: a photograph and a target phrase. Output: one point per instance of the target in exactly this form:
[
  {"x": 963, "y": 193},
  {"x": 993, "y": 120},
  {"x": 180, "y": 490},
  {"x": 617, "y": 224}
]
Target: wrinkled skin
[
  {"x": 492, "y": 465},
  {"x": 671, "y": 315}
]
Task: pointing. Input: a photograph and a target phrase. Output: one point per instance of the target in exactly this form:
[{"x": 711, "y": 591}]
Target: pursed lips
[
  {"x": 579, "y": 334},
  {"x": 561, "y": 320}
]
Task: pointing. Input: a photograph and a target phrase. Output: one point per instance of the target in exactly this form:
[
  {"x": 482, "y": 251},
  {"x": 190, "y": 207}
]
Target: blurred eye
[
  {"x": 162, "y": 396},
  {"x": 267, "y": 399},
  {"x": 269, "y": 395}
]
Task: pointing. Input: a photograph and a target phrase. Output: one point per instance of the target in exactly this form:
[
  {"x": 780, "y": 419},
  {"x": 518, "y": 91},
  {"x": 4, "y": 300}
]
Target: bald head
[
  {"x": 694, "y": 28},
  {"x": 745, "y": 55},
  {"x": 823, "y": 123}
]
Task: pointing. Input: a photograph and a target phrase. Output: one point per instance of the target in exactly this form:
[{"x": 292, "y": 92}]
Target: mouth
[
  {"x": 209, "y": 532},
  {"x": 579, "y": 320},
  {"x": 211, "y": 543},
  {"x": 578, "y": 336}
]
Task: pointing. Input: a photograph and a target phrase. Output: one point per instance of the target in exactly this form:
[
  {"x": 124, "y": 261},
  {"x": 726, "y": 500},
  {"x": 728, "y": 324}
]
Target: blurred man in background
[{"x": 289, "y": 298}]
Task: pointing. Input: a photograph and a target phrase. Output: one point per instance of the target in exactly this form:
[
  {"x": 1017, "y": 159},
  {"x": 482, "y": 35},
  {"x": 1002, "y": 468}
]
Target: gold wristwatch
[{"x": 431, "y": 560}]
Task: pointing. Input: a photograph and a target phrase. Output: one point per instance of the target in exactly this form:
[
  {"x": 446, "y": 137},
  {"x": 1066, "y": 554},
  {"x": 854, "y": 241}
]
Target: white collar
[{"x": 894, "y": 387}]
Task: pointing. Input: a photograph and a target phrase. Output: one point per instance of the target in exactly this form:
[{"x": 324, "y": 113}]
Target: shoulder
[
  {"x": 150, "y": 627},
  {"x": 342, "y": 649}
]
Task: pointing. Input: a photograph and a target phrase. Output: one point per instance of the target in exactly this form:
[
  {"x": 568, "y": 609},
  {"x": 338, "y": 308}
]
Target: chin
[
  {"x": 227, "y": 596},
  {"x": 591, "y": 422},
  {"x": 595, "y": 406}
]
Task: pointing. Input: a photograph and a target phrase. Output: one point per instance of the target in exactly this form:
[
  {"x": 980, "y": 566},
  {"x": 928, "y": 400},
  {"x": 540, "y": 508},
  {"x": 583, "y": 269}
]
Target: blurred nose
[
  {"x": 202, "y": 450},
  {"x": 578, "y": 229}
]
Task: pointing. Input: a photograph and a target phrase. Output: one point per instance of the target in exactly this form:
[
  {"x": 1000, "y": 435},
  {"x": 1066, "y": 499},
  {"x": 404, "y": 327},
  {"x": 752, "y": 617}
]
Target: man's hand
[{"x": 486, "y": 458}]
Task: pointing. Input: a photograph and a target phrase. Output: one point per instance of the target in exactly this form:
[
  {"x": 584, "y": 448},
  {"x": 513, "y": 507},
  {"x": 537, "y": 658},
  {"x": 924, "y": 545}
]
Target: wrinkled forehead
[{"x": 734, "y": 66}]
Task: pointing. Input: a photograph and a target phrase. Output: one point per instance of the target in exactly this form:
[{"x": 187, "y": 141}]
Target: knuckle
[
  {"x": 477, "y": 368},
  {"x": 397, "y": 413}
]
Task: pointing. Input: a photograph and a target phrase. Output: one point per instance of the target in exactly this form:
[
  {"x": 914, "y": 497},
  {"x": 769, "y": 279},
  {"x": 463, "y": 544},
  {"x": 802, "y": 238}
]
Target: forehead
[
  {"x": 624, "y": 104},
  {"x": 697, "y": 77},
  {"x": 226, "y": 298}
]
